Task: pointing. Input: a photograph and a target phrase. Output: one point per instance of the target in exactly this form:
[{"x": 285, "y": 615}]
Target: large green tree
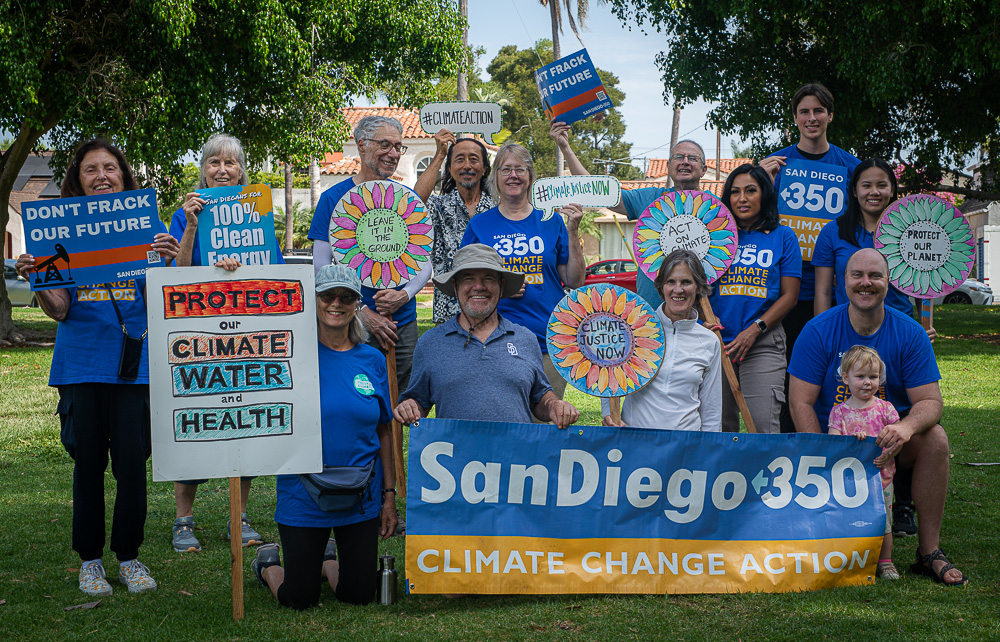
[
  {"x": 513, "y": 70},
  {"x": 914, "y": 81},
  {"x": 158, "y": 76}
]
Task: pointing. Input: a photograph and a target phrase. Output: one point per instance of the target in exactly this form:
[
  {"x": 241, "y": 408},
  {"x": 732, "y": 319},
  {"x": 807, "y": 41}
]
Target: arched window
[{"x": 423, "y": 164}]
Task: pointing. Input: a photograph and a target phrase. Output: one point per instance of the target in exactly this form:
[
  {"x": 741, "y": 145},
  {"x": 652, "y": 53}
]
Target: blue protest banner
[
  {"x": 812, "y": 194},
  {"x": 91, "y": 239},
  {"x": 570, "y": 88},
  {"x": 519, "y": 508},
  {"x": 237, "y": 222}
]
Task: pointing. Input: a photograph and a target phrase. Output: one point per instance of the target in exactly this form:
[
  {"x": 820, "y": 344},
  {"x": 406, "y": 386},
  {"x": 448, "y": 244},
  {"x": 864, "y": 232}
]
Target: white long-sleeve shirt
[{"x": 686, "y": 392}]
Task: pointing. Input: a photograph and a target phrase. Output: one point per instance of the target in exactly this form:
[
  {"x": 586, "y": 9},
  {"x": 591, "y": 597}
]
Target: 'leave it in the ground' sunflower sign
[
  {"x": 605, "y": 340},
  {"x": 685, "y": 220},
  {"x": 927, "y": 244},
  {"x": 382, "y": 230}
]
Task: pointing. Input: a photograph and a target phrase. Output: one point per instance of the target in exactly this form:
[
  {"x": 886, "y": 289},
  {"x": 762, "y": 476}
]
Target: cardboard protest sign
[
  {"x": 233, "y": 372},
  {"x": 605, "y": 340},
  {"x": 812, "y": 194},
  {"x": 462, "y": 117},
  {"x": 382, "y": 230},
  {"x": 548, "y": 194},
  {"x": 237, "y": 221},
  {"x": 90, "y": 240},
  {"x": 689, "y": 220},
  {"x": 928, "y": 245},
  {"x": 503, "y": 508},
  {"x": 570, "y": 88}
]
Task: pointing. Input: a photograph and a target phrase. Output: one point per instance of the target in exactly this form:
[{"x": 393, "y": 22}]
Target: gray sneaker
[
  {"x": 184, "y": 539},
  {"x": 250, "y": 536},
  {"x": 267, "y": 555},
  {"x": 136, "y": 577},
  {"x": 93, "y": 581}
]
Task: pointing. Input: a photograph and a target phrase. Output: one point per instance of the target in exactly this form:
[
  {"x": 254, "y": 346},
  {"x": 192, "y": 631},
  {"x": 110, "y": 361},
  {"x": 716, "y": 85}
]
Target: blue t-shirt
[
  {"x": 319, "y": 230},
  {"x": 810, "y": 193},
  {"x": 179, "y": 223},
  {"x": 531, "y": 246},
  {"x": 753, "y": 282},
  {"x": 464, "y": 378},
  {"x": 901, "y": 343},
  {"x": 833, "y": 251},
  {"x": 636, "y": 201},
  {"x": 353, "y": 400}
]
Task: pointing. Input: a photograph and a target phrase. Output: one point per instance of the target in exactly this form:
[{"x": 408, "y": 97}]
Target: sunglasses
[{"x": 330, "y": 297}]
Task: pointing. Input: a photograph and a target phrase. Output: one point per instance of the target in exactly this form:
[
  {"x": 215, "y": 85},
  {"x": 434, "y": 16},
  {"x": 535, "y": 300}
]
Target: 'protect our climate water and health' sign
[
  {"x": 90, "y": 240},
  {"x": 505, "y": 508}
]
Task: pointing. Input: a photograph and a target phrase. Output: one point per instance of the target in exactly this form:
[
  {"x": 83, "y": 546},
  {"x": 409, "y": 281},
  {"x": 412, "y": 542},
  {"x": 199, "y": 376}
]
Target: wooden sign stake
[
  {"x": 616, "y": 410},
  {"x": 727, "y": 366},
  {"x": 927, "y": 313},
  {"x": 396, "y": 429},
  {"x": 236, "y": 545}
]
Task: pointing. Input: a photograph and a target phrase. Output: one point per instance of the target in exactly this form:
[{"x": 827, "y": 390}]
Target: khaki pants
[{"x": 762, "y": 379}]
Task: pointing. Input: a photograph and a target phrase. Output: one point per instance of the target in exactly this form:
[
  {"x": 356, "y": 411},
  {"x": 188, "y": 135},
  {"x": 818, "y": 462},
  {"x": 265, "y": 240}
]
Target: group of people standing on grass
[{"x": 499, "y": 269}]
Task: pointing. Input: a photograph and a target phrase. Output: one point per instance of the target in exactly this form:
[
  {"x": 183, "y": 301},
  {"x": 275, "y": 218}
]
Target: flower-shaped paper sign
[
  {"x": 928, "y": 245},
  {"x": 605, "y": 341},
  {"x": 688, "y": 220},
  {"x": 382, "y": 230}
]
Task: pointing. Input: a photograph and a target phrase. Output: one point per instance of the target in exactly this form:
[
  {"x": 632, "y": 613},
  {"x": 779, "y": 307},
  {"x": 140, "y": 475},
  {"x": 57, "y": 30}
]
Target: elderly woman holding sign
[
  {"x": 686, "y": 392},
  {"x": 355, "y": 494},
  {"x": 223, "y": 164},
  {"x": 100, "y": 367},
  {"x": 548, "y": 252},
  {"x": 754, "y": 295}
]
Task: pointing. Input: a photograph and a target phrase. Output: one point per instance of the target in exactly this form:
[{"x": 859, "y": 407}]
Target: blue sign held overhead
[{"x": 570, "y": 88}]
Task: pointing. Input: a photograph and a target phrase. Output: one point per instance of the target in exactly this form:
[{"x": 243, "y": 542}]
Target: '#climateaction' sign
[
  {"x": 516, "y": 508},
  {"x": 570, "y": 88}
]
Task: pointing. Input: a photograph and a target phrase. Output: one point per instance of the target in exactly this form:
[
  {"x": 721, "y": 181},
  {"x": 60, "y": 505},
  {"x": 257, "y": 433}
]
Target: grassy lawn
[{"x": 38, "y": 576}]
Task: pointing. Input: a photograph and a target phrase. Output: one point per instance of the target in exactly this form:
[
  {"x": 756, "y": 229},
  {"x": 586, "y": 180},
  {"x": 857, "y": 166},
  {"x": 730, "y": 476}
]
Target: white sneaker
[
  {"x": 136, "y": 577},
  {"x": 93, "y": 582}
]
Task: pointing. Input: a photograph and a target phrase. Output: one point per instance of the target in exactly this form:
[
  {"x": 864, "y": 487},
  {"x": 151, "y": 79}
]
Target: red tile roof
[
  {"x": 658, "y": 166},
  {"x": 409, "y": 118},
  {"x": 349, "y": 166},
  {"x": 706, "y": 186}
]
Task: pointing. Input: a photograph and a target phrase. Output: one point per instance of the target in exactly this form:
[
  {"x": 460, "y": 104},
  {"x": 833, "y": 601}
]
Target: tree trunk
[
  {"x": 314, "y": 188},
  {"x": 675, "y": 129},
  {"x": 463, "y": 79},
  {"x": 556, "y": 55},
  {"x": 289, "y": 212}
]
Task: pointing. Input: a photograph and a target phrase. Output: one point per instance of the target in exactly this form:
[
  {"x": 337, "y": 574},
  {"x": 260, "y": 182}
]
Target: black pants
[
  {"x": 794, "y": 321},
  {"x": 96, "y": 418},
  {"x": 302, "y": 551}
]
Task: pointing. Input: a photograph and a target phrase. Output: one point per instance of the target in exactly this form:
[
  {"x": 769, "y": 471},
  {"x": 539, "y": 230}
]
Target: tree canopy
[
  {"x": 914, "y": 81},
  {"x": 513, "y": 70},
  {"x": 158, "y": 77}
]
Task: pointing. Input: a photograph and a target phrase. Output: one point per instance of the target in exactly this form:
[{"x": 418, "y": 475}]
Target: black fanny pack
[{"x": 340, "y": 488}]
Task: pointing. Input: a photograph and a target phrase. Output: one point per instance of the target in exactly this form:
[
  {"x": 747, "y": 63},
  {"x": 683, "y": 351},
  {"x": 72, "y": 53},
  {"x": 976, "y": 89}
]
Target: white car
[
  {"x": 18, "y": 290},
  {"x": 971, "y": 292}
]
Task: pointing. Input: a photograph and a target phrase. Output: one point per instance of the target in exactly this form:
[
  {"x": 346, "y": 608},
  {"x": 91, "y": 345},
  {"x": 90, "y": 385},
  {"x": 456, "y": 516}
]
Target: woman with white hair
[
  {"x": 548, "y": 252},
  {"x": 222, "y": 164}
]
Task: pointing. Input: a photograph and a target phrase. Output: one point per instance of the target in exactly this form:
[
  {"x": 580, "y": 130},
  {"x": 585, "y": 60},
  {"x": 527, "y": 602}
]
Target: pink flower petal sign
[{"x": 382, "y": 230}]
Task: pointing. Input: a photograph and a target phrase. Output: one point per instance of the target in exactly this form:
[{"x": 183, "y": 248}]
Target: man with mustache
[
  {"x": 463, "y": 195},
  {"x": 917, "y": 441}
]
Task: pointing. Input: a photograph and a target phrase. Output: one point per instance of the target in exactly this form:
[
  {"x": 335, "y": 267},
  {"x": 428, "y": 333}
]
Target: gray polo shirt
[{"x": 494, "y": 381}]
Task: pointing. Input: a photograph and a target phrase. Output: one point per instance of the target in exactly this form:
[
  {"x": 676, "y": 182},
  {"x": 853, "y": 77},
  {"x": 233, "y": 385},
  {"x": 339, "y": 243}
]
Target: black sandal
[{"x": 924, "y": 566}]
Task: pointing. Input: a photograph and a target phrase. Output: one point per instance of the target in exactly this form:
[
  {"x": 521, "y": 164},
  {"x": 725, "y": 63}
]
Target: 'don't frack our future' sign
[{"x": 570, "y": 88}]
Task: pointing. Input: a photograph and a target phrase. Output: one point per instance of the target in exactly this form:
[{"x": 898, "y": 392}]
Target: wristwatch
[{"x": 761, "y": 325}]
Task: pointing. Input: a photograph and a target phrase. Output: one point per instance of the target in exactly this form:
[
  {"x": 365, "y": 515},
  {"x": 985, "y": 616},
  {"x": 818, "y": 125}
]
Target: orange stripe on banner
[
  {"x": 101, "y": 257},
  {"x": 526, "y": 565},
  {"x": 576, "y": 101}
]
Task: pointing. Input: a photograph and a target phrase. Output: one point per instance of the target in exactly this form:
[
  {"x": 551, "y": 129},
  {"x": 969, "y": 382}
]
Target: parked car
[
  {"x": 971, "y": 292},
  {"x": 298, "y": 259},
  {"x": 615, "y": 271},
  {"x": 17, "y": 288}
]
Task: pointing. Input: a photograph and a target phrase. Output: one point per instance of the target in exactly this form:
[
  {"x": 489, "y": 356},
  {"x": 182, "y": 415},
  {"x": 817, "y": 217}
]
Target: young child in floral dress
[{"x": 863, "y": 415}]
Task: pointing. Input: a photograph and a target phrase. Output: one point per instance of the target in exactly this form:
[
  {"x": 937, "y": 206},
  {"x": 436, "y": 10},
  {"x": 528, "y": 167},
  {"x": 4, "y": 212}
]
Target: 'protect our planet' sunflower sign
[
  {"x": 605, "y": 340},
  {"x": 382, "y": 230},
  {"x": 927, "y": 244},
  {"x": 688, "y": 220}
]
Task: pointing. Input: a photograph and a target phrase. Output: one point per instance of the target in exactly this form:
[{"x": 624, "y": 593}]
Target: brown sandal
[{"x": 925, "y": 566}]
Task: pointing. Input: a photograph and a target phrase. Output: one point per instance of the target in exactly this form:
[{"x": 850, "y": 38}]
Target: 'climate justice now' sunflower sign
[
  {"x": 927, "y": 244},
  {"x": 688, "y": 220},
  {"x": 382, "y": 230},
  {"x": 605, "y": 341}
]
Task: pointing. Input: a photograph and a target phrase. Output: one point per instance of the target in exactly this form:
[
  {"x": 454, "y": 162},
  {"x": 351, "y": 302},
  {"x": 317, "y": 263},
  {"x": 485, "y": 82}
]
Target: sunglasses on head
[{"x": 343, "y": 297}]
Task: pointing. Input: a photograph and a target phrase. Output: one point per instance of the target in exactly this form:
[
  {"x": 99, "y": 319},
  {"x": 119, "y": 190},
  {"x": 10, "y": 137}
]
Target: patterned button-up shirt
[{"x": 450, "y": 218}]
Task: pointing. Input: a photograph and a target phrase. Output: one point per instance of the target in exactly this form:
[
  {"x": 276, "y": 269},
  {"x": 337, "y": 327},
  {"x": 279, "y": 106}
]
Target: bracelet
[{"x": 387, "y": 490}]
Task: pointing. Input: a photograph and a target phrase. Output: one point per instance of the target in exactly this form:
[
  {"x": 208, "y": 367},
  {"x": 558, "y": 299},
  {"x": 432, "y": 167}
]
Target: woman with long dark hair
[{"x": 754, "y": 295}]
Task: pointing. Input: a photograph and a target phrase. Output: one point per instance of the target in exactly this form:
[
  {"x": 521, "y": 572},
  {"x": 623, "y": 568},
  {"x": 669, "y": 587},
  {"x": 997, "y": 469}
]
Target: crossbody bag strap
[{"x": 121, "y": 321}]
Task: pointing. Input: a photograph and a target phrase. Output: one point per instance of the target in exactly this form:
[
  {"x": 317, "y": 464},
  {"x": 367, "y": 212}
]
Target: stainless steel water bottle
[{"x": 386, "y": 579}]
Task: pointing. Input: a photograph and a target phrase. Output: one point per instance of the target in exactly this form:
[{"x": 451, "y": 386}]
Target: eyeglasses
[
  {"x": 691, "y": 158},
  {"x": 516, "y": 171},
  {"x": 385, "y": 145},
  {"x": 345, "y": 298}
]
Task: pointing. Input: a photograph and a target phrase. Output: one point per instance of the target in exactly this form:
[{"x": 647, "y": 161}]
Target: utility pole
[{"x": 556, "y": 55}]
